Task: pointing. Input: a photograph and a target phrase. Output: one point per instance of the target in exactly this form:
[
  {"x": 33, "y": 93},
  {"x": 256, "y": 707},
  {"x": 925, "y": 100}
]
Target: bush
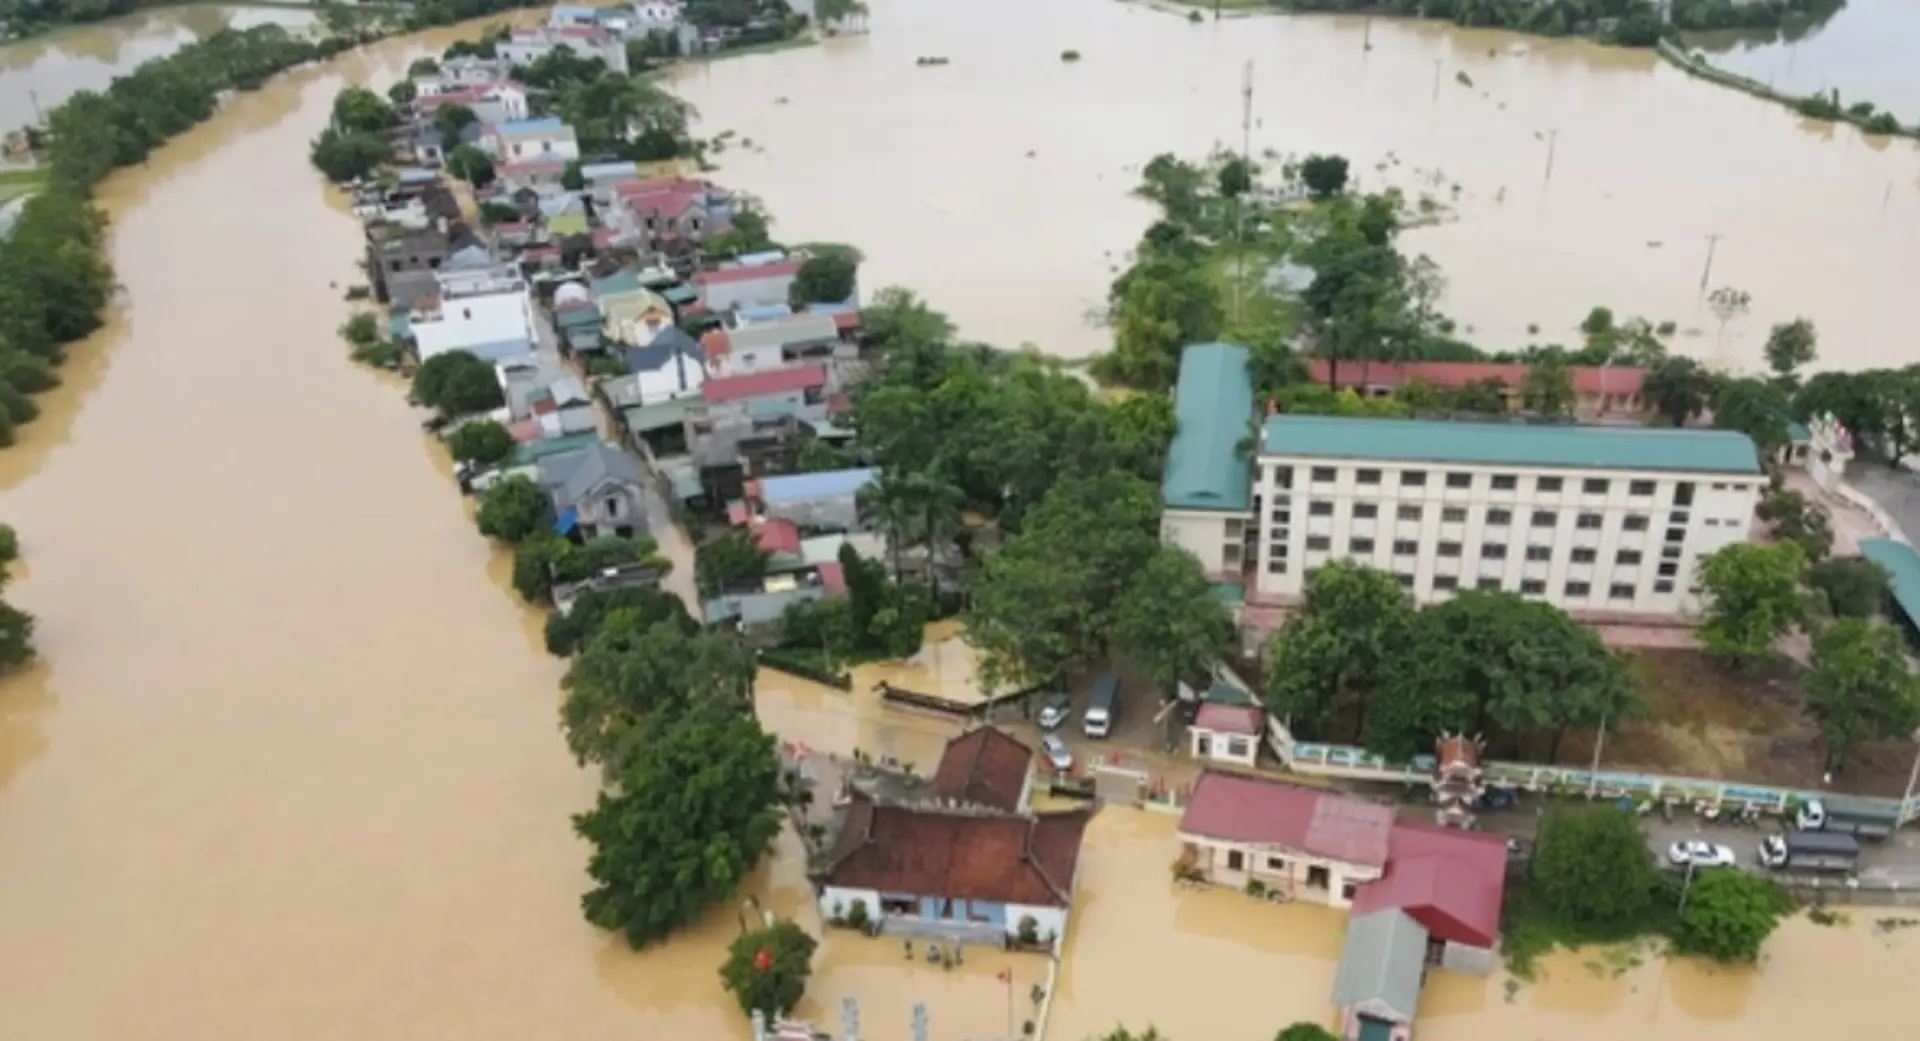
[
  {"x": 1028, "y": 931},
  {"x": 767, "y": 969},
  {"x": 857, "y": 915},
  {"x": 9, "y": 544},
  {"x": 1729, "y": 915},
  {"x": 456, "y": 383}
]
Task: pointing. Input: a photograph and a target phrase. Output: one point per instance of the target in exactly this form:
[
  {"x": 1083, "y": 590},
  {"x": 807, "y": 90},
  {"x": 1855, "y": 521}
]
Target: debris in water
[
  {"x": 781, "y": 100},
  {"x": 1883, "y": 926}
]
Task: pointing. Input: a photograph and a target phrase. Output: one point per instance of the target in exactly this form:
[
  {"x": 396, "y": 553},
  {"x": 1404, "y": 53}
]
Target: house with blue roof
[
  {"x": 520, "y": 141},
  {"x": 828, "y": 500}
]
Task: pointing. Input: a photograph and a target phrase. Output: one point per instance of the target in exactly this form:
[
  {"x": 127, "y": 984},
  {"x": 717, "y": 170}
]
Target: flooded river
[
  {"x": 290, "y": 766},
  {"x": 1865, "y": 51},
  {"x": 997, "y": 184}
]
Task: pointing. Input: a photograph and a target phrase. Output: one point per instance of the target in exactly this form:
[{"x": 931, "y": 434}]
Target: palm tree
[
  {"x": 940, "y": 503},
  {"x": 888, "y": 504}
]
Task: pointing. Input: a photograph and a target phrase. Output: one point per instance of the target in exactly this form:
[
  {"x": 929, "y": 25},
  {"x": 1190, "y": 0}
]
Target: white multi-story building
[{"x": 1597, "y": 520}]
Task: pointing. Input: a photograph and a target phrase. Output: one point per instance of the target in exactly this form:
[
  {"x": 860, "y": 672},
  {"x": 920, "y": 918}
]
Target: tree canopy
[
  {"x": 359, "y": 110},
  {"x": 1852, "y": 587},
  {"x": 1591, "y": 866},
  {"x": 513, "y": 509},
  {"x": 1324, "y": 175},
  {"x": 766, "y": 969},
  {"x": 482, "y": 441},
  {"x": 471, "y": 165},
  {"x": 1860, "y": 687},
  {"x": 635, "y": 675},
  {"x": 827, "y": 277},
  {"x": 1729, "y": 915},
  {"x": 456, "y": 383},
  {"x": 1754, "y": 597},
  {"x": 1333, "y": 652}
]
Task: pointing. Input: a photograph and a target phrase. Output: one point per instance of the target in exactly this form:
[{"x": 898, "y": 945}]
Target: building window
[
  {"x": 1459, "y": 480},
  {"x": 1319, "y": 542},
  {"x": 1493, "y": 550},
  {"x": 1584, "y": 556},
  {"x": 1533, "y": 587},
  {"x": 1283, "y": 476},
  {"x": 1410, "y": 513},
  {"x": 1683, "y": 493},
  {"x": 1487, "y": 582},
  {"x": 1365, "y": 511},
  {"x": 1588, "y": 522},
  {"x": 1538, "y": 553},
  {"x": 1578, "y": 589},
  {"x": 1413, "y": 478},
  {"x": 1277, "y": 566},
  {"x": 1641, "y": 489},
  {"x": 1547, "y": 484},
  {"x": 1544, "y": 519},
  {"x": 1634, "y": 522},
  {"x": 1276, "y": 863},
  {"x": 1236, "y": 860},
  {"x": 1282, "y": 515},
  {"x": 1505, "y": 482},
  {"x": 1445, "y": 582},
  {"x": 1620, "y": 591},
  {"x": 1627, "y": 556},
  {"x": 1500, "y": 518},
  {"x": 1670, "y": 552},
  {"x": 1669, "y": 568},
  {"x": 1449, "y": 549},
  {"x": 1405, "y": 547},
  {"x": 1594, "y": 486},
  {"x": 1367, "y": 476},
  {"x": 1322, "y": 473},
  {"x": 1676, "y": 534},
  {"x": 1320, "y": 509},
  {"x": 1347, "y": 889},
  {"x": 1663, "y": 586},
  {"x": 1405, "y": 580},
  {"x": 1453, "y": 514},
  {"x": 1359, "y": 545}
]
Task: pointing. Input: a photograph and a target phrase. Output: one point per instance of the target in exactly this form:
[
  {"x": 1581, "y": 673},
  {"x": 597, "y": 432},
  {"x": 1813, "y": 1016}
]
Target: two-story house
[
  {"x": 522, "y": 140},
  {"x": 747, "y": 282},
  {"x": 775, "y": 344},
  {"x": 630, "y": 313},
  {"x": 595, "y": 490},
  {"x": 403, "y": 262},
  {"x": 826, "y": 500},
  {"x": 487, "y": 313},
  {"x": 799, "y": 391},
  {"x": 525, "y": 46},
  {"x": 661, "y": 212}
]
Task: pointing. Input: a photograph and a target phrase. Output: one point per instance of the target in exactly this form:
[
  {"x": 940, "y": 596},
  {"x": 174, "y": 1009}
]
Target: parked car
[
  {"x": 1498, "y": 799},
  {"x": 1057, "y": 753},
  {"x": 1700, "y": 854},
  {"x": 1054, "y": 711}
]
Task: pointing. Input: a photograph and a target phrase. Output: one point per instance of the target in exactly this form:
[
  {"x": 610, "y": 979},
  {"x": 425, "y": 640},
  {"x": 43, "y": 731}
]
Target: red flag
[
  {"x": 762, "y": 960},
  {"x": 1006, "y": 977}
]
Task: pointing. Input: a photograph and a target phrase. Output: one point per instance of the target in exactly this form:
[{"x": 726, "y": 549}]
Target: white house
[
  {"x": 773, "y": 344},
  {"x": 1227, "y": 733},
  {"x": 487, "y": 313},
  {"x": 526, "y": 46},
  {"x": 524, "y": 140},
  {"x": 667, "y": 366}
]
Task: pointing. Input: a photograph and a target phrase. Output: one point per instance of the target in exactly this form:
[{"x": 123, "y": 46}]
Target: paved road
[{"x": 1895, "y": 491}]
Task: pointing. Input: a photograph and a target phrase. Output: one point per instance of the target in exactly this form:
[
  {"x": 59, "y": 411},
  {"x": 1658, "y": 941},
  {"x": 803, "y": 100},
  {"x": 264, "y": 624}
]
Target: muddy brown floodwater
[
  {"x": 289, "y": 766},
  {"x": 997, "y": 185}
]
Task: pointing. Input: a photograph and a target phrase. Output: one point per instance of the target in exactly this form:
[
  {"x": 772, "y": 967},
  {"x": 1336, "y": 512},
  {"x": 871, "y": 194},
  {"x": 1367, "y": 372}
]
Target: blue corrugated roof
[
  {"x": 1513, "y": 444},
  {"x": 538, "y": 125},
  {"x": 826, "y": 484},
  {"x": 1212, "y": 405},
  {"x": 1903, "y": 569},
  {"x": 763, "y": 313}
]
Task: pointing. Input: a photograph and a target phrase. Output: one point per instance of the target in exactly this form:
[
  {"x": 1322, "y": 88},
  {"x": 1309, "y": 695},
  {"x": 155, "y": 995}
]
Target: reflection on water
[
  {"x": 47, "y": 68},
  {"x": 1865, "y": 51},
  {"x": 998, "y": 185}
]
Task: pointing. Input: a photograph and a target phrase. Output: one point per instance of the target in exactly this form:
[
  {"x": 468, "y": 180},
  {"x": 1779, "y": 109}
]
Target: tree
[
  {"x": 767, "y": 969},
  {"x": 1678, "y": 389},
  {"x": 1170, "y": 622},
  {"x": 572, "y": 177},
  {"x": 1331, "y": 653},
  {"x": 639, "y": 673},
  {"x": 343, "y": 157},
  {"x": 1235, "y": 177},
  {"x": 1756, "y": 408},
  {"x": 1729, "y": 915},
  {"x": 456, "y": 383},
  {"x": 685, "y": 821},
  {"x": 1792, "y": 346},
  {"x": 1753, "y": 598},
  {"x": 471, "y": 165},
  {"x": 1547, "y": 388},
  {"x": 1174, "y": 186},
  {"x": 1591, "y": 866},
  {"x": 1123, "y": 1034},
  {"x": 423, "y": 67},
  {"x": 1796, "y": 520},
  {"x": 567, "y": 631},
  {"x": 357, "y": 109},
  {"x": 16, "y": 636},
  {"x": 1324, "y": 175},
  {"x": 1304, "y": 1031},
  {"x": 732, "y": 558},
  {"x": 1860, "y": 687},
  {"x": 513, "y": 509},
  {"x": 826, "y": 278},
  {"x": 1854, "y": 587},
  {"x": 482, "y": 442},
  {"x": 403, "y": 92},
  {"x": 450, "y": 120}
]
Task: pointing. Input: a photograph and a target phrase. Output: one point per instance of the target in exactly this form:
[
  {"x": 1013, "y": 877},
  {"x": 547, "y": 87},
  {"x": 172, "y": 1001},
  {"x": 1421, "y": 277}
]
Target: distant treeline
[{"x": 1633, "y": 23}]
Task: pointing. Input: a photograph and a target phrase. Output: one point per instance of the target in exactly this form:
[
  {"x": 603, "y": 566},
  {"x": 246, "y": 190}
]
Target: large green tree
[
  {"x": 827, "y": 277},
  {"x": 1170, "y": 622},
  {"x": 456, "y": 383},
  {"x": 1678, "y": 389},
  {"x": 482, "y": 441},
  {"x": 513, "y": 509},
  {"x": 1592, "y": 866},
  {"x": 357, "y": 109},
  {"x": 1729, "y": 915},
  {"x": 638, "y": 673},
  {"x": 687, "y": 815},
  {"x": 1547, "y": 389},
  {"x": 569, "y": 630},
  {"x": 471, "y": 165},
  {"x": 1333, "y": 652},
  {"x": 1754, "y": 597},
  {"x": 1853, "y": 587},
  {"x": 734, "y": 557},
  {"x": 1756, "y": 408},
  {"x": 766, "y": 969},
  {"x": 1861, "y": 686},
  {"x": 351, "y": 156},
  {"x": 1791, "y": 346}
]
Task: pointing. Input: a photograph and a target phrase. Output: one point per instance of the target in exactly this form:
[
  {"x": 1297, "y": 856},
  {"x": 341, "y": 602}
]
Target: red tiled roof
[
  {"x": 1251, "y": 810},
  {"x": 778, "y": 535},
  {"x": 1230, "y": 719},
  {"x": 1448, "y": 880},
  {"x": 457, "y": 96},
  {"x": 1452, "y": 375},
  {"x": 985, "y": 766},
  {"x": 758, "y": 384},
  {"x": 662, "y": 197},
  {"x": 833, "y": 579},
  {"x": 901, "y": 849},
  {"x": 746, "y": 273},
  {"x": 737, "y": 513},
  {"x": 844, "y": 320}
]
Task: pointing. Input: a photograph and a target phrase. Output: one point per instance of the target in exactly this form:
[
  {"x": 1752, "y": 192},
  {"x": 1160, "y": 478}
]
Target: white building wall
[
  {"x": 1203, "y": 534},
  {"x": 1214, "y": 746},
  {"x": 1627, "y": 544},
  {"x": 1048, "y": 921},
  {"x": 1280, "y": 867}
]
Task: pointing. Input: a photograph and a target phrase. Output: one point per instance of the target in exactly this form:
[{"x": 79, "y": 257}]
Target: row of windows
[
  {"x": 1458, "y": 514},
  {"x": 1531, "y": 586},
  {"x": 1361, "y": 546},
  {"x": 1498, "y": 482}
]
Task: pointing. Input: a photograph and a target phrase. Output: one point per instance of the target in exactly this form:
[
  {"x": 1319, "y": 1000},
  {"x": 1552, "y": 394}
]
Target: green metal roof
[
  {"x": 533, "y": 451},
  {"x": 1513, "y": 444},
  {"x": 659, "y": 415},
  {"x": 1798, "y": 432},
  {"x": 622, "y": 281},
  {"x": 1903, "y": 568},
  {"x": 1381, "y": 964},
  {"x": 1211, "y": 404},
  {"x": 587, "y": 317}
]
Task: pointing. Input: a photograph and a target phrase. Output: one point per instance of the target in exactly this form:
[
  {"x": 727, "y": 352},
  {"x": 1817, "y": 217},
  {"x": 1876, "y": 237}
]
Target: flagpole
[{"x": 1007, "y": 975}]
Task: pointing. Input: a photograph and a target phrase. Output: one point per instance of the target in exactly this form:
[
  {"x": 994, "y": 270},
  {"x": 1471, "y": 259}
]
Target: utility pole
[
  {"x": 1553, "y": 142},
  {"x": 1599, "y": 739},
  {"x": 1366, "y": 35},
  {"x": 1436, "y": 80},
  {"x": 1239, "y": 201},
  {"x": 39, "y": 117},
  {"x": 1713, "y": 243}
]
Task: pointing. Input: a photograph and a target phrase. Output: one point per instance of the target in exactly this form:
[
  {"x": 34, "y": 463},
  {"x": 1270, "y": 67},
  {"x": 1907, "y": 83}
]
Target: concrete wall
[
  {"x": 1238, "y": 749},
  {"x": 1279, "y": 867},
  {"x": 1201, "y": 533}
]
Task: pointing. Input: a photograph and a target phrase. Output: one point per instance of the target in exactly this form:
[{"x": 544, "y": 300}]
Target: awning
[{"x": 568, "y": 520}]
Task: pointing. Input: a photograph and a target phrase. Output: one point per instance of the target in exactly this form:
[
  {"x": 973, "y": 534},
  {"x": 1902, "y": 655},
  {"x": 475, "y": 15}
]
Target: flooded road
[
  {"x": 1865, "y": 51},
  {"x": 45, "y": 69},
  {"x": 998, "y": 185}
]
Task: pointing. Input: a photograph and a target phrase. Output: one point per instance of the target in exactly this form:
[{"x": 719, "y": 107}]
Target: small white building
[
  {"x": 526, "y": 140},
  {"x": 1226, "y": 733},
  {"x": 487, "y": 313}
]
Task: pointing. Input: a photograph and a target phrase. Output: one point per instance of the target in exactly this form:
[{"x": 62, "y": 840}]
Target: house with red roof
[
  {"x": 1600, "y": 391},
  {"x": 660, "y": 211},
  {"x": 748, "y": 282},
  {"x": 1227, "y": 733},
  {"x": 965, "y": 861},
  {"x": 1305, "y": 843}
]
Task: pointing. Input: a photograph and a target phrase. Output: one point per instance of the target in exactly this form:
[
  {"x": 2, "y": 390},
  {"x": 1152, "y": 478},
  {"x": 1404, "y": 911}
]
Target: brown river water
[{"x": 290, "y": 767}]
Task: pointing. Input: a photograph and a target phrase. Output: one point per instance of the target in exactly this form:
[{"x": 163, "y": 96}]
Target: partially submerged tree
[
  {"x": 482, "y": 441},
  {"x": 513, "y": 509},
  {"x": 1591, "y": 866},
  {"x": 767, "y": 969},
  {"x": 456, "y": 383},
  {"x": 1729, "y": 915}
]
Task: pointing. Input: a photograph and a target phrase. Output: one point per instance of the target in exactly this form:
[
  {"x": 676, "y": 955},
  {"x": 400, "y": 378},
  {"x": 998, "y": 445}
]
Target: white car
[
  {"x": 1055, "y": 711},
  {"x": 1057, "y": 753},
  {"x": 1700, "y": 854}
]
